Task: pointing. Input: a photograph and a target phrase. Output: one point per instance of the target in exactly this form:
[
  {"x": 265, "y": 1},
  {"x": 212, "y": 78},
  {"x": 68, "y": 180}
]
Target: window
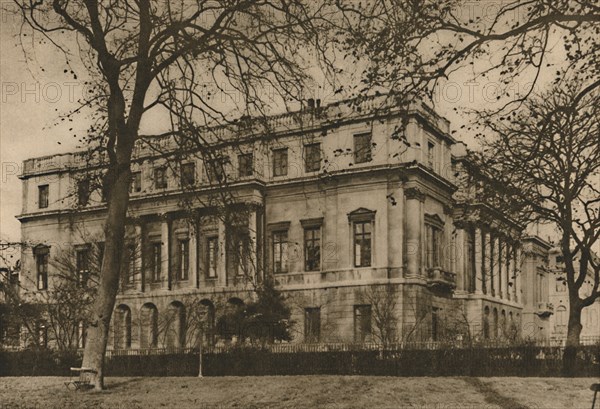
[
  {"x": 280, "y": 162},
  {"x": 245, "y": 164},
  {"x": 41, "y": 261},
  {"x": 215, "y": 170},
  {"x": 312, "y": 324},
  {"x": 434, "y": 245},
  {"x": 312, "y": 157},
  {"x": 160, "y": 178},
  {"x": 83, "y": 266},
  {"x": 561, "y": 284},
  {"x": 188, "y": 174},
  {"x": 362, "y": 243},
  {"x": 183, "y": 262},
  {"x": 130, "y": 270},
  {"x": 430, "y": 154},
  {"x": 362, "y": 148},
  {"x": 212, "y": 248},
  {"x": 312, "y": 248},
  {"x": 280, "y": 244},
  {"x": 156, "y": 261},
  {"x": 238, "y": 249},
  {"x": 136, "y": 182},
  {"x": 83, "y": 192},
  {"x": 362, "y": 322},
  {"x": 43, "y": 196}
]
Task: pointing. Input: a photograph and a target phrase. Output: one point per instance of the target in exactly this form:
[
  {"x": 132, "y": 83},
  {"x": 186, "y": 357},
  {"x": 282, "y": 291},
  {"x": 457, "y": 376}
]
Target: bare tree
[
  {"x": 544, "y": 165},
  {"x": 143, "y": 55},
  {"x": 383, "y": 300},
  {"x": 413, "y": 46}
]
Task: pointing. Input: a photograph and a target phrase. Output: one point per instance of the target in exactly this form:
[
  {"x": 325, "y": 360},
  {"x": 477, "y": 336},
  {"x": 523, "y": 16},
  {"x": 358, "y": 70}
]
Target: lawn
[{"x": 335, "y": 392}]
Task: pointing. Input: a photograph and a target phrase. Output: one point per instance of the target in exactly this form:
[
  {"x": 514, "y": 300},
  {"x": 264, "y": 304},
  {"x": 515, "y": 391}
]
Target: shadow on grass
[
  {"x": 112, "y": 385},
  {"x": 492, "y": 396}
]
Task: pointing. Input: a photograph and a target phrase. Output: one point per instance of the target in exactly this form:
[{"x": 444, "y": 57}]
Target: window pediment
[
  {"x": 361, "y": 214},
  {"x": 434, "y": 219}
]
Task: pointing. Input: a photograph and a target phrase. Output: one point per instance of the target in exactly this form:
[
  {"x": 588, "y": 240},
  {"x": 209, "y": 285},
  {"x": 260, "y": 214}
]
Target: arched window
[
  {"x": 495, "y": 324},
  {"x": 122, "y": 327},
  {"x": 208, "y": 321},
  {"x": 149, "y": 326},
  {"x": 503, "y": 327},
  {"x": 176, "y": 326},
  {"x": 561, "y": 316}
]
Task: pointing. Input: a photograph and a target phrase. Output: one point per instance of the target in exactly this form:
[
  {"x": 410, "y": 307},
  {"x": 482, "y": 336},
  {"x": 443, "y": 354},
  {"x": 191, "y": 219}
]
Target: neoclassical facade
[{"x": 335, "y": 203}]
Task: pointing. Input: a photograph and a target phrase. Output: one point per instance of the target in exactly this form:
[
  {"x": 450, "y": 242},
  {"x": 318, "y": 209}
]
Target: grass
[{"x": 334, "y": 392}]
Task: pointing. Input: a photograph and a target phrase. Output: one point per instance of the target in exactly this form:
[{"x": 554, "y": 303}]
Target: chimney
[
  {"x": 311, "y": 103},
  {"x": 318, "y": 103}
]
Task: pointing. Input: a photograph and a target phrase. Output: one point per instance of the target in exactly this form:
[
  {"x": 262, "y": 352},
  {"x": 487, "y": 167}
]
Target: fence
[{"x": 309, "y": 359}]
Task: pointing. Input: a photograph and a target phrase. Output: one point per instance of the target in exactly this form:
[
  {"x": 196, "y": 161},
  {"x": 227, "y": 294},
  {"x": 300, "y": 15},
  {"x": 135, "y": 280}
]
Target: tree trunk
[
  {"x": 573, "y": 333},
  {"x": 114, "y": 228}
]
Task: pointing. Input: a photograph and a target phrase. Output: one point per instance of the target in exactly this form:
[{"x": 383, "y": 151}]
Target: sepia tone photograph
[{"x": 300, "y": 204}]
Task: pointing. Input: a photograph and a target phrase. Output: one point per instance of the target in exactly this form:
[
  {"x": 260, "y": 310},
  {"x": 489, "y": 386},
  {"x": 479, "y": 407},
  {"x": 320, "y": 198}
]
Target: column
[
  {"x": 492, "y": 263},
  {"x": 143, "y": 250},
  {"x": 479, "y": 278},
  {"x": 485, "y": 266},
  {"x": 502, "y": 250},
  {"x": 165, "y": 239},
  {"x": 498, "y": 266},
  {"x": 139, "y": 264},
  {"x": 414, "y": 200},
  {"x": 458, "y": 262},
  {"x": 253, "y": 245},
  {"x": 508, "y": 262},
  {"x": 193, "y": 256},
  {"x": 222, "y": 261},
  {"x": 517, "y": 273}
]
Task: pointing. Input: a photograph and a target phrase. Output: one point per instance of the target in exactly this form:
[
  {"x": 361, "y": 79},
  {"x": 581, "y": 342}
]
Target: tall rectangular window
[
  {"x": 212, "y": 256},
  {"x": 362, "y": 322},
  {"x": 245, "y": 165},
  {"x": 43, "y": 196},
  {"x": 83, "y": 192},
  {"x": 136, "y": 182},
  {"x": 280, "y": 162},
  {"x": 434, "y": 245},
  {"x": 83, "y": 266},
  {"x": 280, "y": 244},
  {"x": 156, "y": 261},
  {"x": 130, "y": 270},
  {"x": 188, "y": 174},
  {"x": 160, "y": 178},
  {"x": 312, "y": 324},
  {"x": 362, "y": 243},
  {"x": 215, "y": 170},
  {"x": 430, "y": 154},
  {"x": 312, "y": 157},
  {"x": 312, "y": 248},
  {"x": 362, "y": 148},
  {"x": 183, "y": 262},
  {"x": 41, "y": 261}
]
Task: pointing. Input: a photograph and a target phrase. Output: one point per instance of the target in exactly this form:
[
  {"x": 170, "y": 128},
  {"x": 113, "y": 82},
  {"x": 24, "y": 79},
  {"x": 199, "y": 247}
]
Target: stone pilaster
[{"x": 414, "y": 217}]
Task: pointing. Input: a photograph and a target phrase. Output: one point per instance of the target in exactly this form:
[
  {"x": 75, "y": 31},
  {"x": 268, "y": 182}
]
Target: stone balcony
[
  {"x": 544, "y": 309},
  {"x": 441, "y": 279}
]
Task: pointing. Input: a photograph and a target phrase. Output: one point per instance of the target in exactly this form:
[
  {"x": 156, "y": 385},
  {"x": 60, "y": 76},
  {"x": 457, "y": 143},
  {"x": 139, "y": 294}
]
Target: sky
[{"x": 34, "y": 94}]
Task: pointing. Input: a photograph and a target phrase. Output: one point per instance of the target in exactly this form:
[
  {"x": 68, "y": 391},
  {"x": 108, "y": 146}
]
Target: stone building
[
  {"x": 334, "y": 202},
  {"x": 558, "y": 297}
]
